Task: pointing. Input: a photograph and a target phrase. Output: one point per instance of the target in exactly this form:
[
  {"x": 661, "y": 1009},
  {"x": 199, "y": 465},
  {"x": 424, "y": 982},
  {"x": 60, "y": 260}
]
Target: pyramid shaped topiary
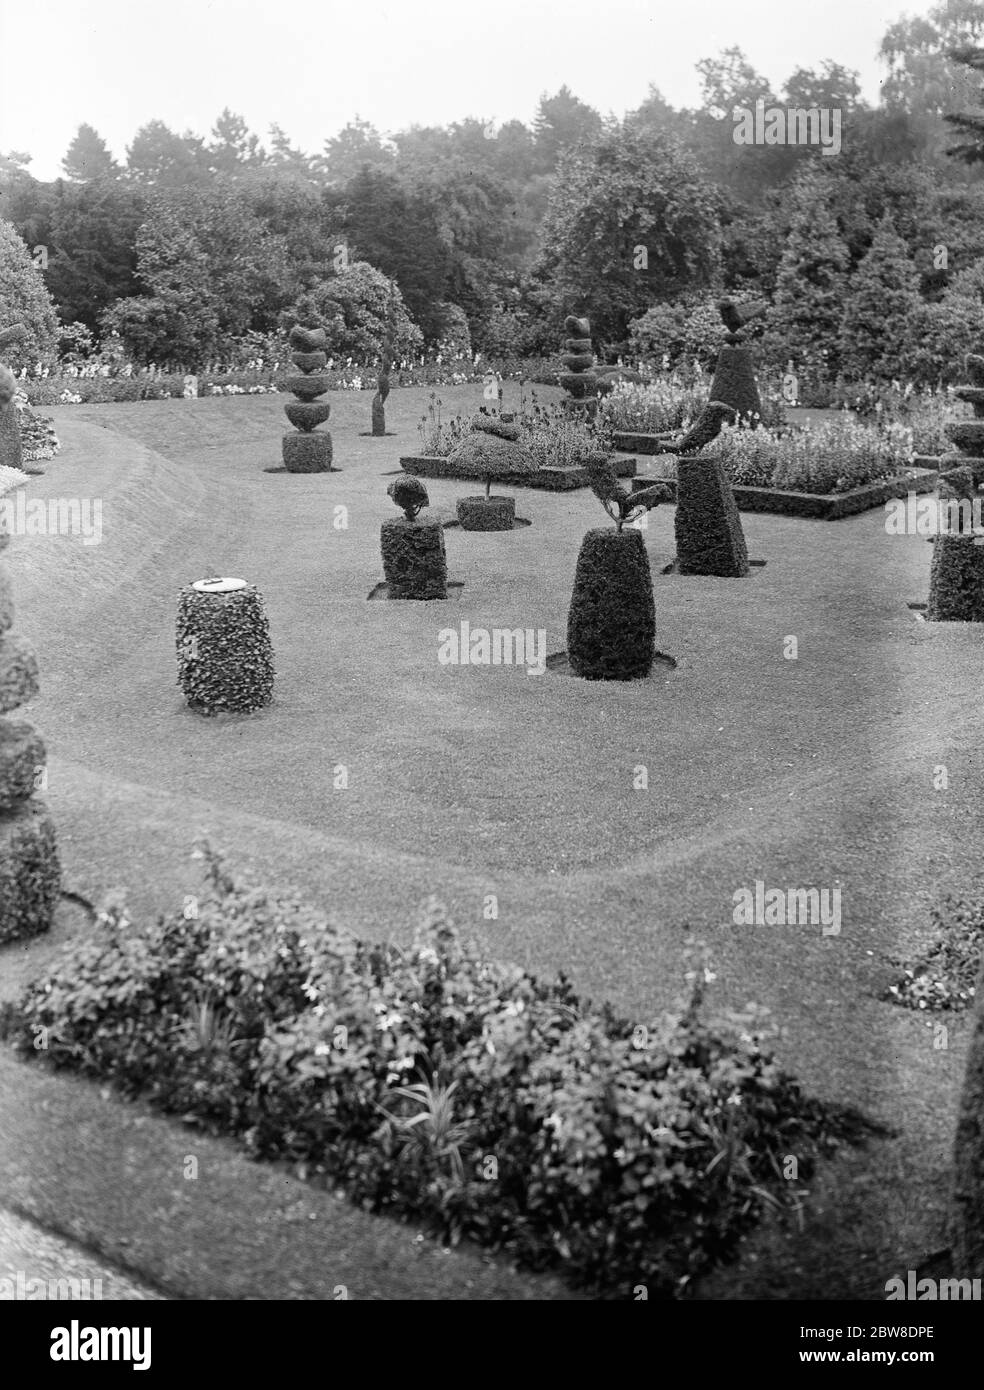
[
  {"x": 956, "y": 582},
  {"x": 30, "y": 874}
]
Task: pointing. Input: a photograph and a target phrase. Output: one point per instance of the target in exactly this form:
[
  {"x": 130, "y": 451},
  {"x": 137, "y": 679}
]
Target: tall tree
[
  {"x": 88, "y": 157},
  {"x": 631, "y": 220},
  {"x": 355, "y": 147},
  {"x": 161, "y": 158},
  {"x": 24, "y": 298},
  {"x": 562, "y": 121},
  {"x": 883, "y": 295},
  {"x": 234, "y": 148}
]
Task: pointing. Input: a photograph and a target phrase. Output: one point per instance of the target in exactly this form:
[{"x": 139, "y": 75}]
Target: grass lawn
[{"x": 466, "y": 781}]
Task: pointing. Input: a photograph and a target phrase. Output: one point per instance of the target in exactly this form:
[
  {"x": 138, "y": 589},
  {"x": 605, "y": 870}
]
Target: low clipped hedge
[{"x": 431, "y": 1084}]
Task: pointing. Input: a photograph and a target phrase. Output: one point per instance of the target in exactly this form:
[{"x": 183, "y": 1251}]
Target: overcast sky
[{"x": 311, "y": 66}]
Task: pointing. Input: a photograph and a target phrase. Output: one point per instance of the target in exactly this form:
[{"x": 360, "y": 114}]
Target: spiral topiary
[
  {"x": 579, "y": 380},
  {"x": 225, "y": 657}
]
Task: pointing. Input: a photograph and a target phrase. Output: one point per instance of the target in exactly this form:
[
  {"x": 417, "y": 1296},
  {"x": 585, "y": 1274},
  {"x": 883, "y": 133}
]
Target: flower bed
[{"x": 467, "y": 1096}]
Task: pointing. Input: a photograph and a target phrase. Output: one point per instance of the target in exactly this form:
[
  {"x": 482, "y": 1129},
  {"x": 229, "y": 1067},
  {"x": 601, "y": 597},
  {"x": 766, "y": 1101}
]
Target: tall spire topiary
[
  {"x": 579, "y": 379},
  {"x": 956, "y": 580},
  {"x": 30, "y": 873}
]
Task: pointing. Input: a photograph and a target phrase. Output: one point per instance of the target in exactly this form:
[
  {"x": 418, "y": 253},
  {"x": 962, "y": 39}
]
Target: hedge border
[
  {"x": 819, "y": 506},
  {"x": 547, "y": 479}
]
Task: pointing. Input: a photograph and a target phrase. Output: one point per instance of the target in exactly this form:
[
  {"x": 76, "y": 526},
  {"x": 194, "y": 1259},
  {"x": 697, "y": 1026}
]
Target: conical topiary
[
  {"x": 30, "y": 873},
  {"x": 304, "y": 449},
  {"x": 956, "y": 581},
  {"x": 225, "y": 657},
  {"x": 414, "y": 560}
]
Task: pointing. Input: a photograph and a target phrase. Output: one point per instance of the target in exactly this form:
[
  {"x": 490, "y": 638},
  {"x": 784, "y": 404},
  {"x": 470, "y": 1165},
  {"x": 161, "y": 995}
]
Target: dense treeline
[{"x": 193, "y": 243}]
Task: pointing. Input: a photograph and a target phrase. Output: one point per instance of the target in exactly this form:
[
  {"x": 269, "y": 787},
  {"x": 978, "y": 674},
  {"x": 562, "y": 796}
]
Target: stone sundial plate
[{"x": 216, "y": 585}]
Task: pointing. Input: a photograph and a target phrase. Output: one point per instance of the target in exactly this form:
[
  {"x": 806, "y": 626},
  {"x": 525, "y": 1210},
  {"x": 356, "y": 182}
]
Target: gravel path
[{"x": 28, "y": 1253}]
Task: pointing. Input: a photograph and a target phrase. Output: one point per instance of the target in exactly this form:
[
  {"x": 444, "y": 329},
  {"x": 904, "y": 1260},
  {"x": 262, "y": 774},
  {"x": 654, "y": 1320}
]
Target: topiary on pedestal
[
  {"x": 490, "y": 450},
  {"x": 414, "y": 560},
  {"x": 956, "y": 580},
  {"x": 304, "y": 450},
  {"x": 611, "y": 624},
  {"x": 734, "y": 374},
  {"x": 225, "y": 657},
  {"x": 30, "y": 873}
]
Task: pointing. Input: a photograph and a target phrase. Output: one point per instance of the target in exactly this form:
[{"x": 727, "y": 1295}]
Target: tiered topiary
[
  {"x": 11, "y": 451},
  {"x": 579, "y": 380},
  {"x": 225, "y": 658},
  {"x": 490, "y": 450},
  {"x": 956, "y": 582},
  {"x": 30, "y": 874},
  {"x": 734, "y": 374},
  {"x": 414, "y": 560},
  {"x": 304, "y": 450},
  {"x": 611, "y": 625}
]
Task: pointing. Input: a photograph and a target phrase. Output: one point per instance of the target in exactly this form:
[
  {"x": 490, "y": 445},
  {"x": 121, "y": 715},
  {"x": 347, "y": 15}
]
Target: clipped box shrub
[
  {"x": 18, "y": 672},
  {"x": 307, "y": 415},
  {"x": 307, "y": 452},
  {"x": 225, "y": 657},
  {"x": 956, "y": 581},
  {"x": 478, "y": 513},
  {"x": 709, "y": 535},
  {"x": 627, "y": 1152},
  {"x": 414, "y": 560},
  {"x": 611, "y": 623},
  {"x": 22, "y": 757},
  {"x": 30, "y": 873}
]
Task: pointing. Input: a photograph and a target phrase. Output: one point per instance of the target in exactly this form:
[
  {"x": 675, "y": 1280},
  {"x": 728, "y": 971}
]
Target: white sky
[{"x": 310, "y": 66}]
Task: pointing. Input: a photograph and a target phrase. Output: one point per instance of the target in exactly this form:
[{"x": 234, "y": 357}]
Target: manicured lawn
[{"x": 468, "y": 781}]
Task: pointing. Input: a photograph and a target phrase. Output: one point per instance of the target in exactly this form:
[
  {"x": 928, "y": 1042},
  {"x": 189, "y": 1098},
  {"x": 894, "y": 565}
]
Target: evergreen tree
[
  {"x": 92, "y": 247},
  {"x": 805, "y": 317},
  {"x": 159, "y": 156},
  {"x": 883, "y": 295},
  {"x": 562, "y": 122},
  {"x": 968, "y": 125},
  {"x": 24, "y": 298},
  {"x": 88, "y": 157},
  {"x": 234, "y": 148}
]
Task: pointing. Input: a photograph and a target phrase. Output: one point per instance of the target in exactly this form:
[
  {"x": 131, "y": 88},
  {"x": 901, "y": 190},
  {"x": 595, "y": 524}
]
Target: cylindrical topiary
[
  {"x": 414, "y": 561},
  {"x": 225, "y": 657},
  {"x": 967, "y": 1193},
  {"x": 18, "y": 672},
  {"x": 491, "y": 513},
  {"x": 611, "y": 625},
  {"x": 30, "y": 873},
  {"x": 304, "y": 451},
  {"x": 22, "y": 758},
  {"x": 307, "y": 453}
]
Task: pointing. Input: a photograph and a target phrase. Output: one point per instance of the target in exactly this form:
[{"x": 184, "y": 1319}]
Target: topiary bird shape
[
  {"x": 409, "y": 494},
  {"x": 620, "y": 505}
]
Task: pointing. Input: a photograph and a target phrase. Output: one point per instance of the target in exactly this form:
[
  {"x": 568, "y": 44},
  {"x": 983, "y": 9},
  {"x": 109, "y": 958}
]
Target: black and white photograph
[{"x": 491, "y": 668}]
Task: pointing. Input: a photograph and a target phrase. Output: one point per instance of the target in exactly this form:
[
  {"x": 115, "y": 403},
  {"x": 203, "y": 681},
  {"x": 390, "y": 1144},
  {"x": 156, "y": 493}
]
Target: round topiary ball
[
  {"x": 307, "y": 415},
  {"x": 611, "y": 625},
  {"x": 225, "y": 657},
  {"x": 577, "y": 328},
  {"x": 22, "y": 757},
  {"x": 307, "y": 453},
  {"x": 577, "y": 361},
  {"x": 414, "y": 560},
  {"x": 578, "y": 345},
  {"x": 486, "y": 513},
  {"x": 18, "y": 672},
  {"x": 308, "y": 339},
  {"x": 30, "y": 874}
]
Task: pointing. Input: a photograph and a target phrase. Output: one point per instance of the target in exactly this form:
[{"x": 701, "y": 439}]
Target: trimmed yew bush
[
  {"x": 709, "y": 536},
  {"x": 30, "y": 873},
  {"x": 611, "y": 624},
  {"x": 225, "y": 657}
]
